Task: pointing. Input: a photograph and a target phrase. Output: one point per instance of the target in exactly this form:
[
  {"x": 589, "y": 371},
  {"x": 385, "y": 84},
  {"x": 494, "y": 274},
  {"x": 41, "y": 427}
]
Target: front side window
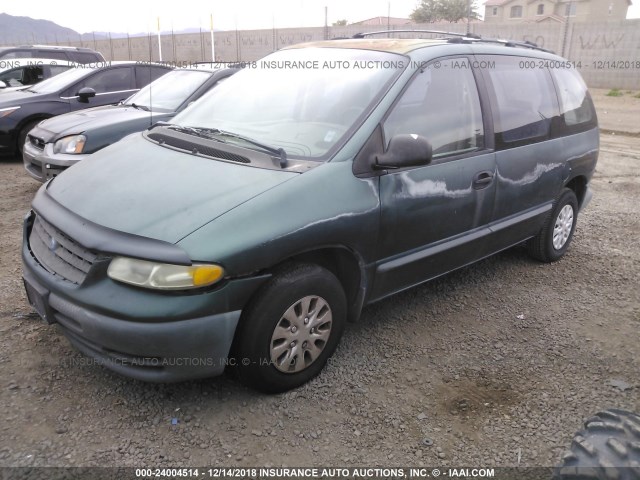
[
  {"x": 55, "y": 54},
  {"x": 113, "y": 80},
  {"x": 301, "y": 100},
  {"x": 442, "y": 105},
  {"x": 17, "y": 54},
  {"x": 524, "y": 101},
  {"x": 85, "y": 57},
  {"x": 516, "y": 11}
]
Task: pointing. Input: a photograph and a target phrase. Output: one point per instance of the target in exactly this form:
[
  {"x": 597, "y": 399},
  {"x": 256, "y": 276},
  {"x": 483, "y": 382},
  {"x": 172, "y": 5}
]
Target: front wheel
[
  {"x": 22, "y": 136},
  {"x": 554, "y": 238},
  {"x": 290, "y": 329}
]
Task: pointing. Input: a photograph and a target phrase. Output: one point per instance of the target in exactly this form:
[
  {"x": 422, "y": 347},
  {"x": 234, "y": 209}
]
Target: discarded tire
[{"x": 607, "y": 448}]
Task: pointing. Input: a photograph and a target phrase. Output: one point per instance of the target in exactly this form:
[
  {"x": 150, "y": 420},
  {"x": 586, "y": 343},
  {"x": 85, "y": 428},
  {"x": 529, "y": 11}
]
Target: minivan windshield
[
  {"x": 168, "y": 92},
  {"x": 303, "y": 101}
]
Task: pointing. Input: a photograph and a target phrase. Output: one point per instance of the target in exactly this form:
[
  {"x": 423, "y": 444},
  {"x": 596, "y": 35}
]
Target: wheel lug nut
[
  {"x": 306, "y": 320},
  {"x": 294, "y": 329},
  {"x": 292, "y": 344},
  {"x": 304, "y": 345}
]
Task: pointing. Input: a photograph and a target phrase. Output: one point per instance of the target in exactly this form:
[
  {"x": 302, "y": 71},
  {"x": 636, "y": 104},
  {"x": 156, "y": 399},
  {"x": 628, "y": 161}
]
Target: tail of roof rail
[{"x": 512, "y": 43}]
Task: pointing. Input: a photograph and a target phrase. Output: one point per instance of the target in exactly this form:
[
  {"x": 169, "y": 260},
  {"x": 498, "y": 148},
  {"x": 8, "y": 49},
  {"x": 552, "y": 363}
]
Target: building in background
[
  {"x": 384, "y": 21},
  {"x": 505, "y": 11}
]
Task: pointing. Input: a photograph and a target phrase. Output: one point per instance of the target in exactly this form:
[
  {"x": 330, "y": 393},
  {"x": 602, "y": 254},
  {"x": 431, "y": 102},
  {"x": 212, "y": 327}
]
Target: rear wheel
[
  {"x": 554, "y": 238},
  {"x": 290, "y": 329}
]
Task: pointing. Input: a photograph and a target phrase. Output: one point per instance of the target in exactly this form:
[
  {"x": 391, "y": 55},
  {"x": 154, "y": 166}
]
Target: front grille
[
  {"x": 36, "y": 142},
  {"x": 59, "y": 254},
  {"x": 202, "y": 149}
]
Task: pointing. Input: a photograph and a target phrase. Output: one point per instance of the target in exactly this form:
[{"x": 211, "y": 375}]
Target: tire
[
  {"x": 277, "y": 347},
  {"x": 553, "y": 240},
  {"x": 608, "y": 447},
  {"x": 22, "y": 136}
]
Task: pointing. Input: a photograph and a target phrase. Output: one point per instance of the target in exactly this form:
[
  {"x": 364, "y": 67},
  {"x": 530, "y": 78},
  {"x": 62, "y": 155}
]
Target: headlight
[
  {"x": 7, "y": 111},
  {"x": 163, "y": 276},
  {"x": 72, "y": 144}
]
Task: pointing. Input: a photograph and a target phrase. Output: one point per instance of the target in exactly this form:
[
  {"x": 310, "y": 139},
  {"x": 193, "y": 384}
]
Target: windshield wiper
[
  {"x": 210, "y": 134},
  {"x": 280, "y": 152},
  {"x": 195, "y": 131},
  {"x": 139, "y": 107}
]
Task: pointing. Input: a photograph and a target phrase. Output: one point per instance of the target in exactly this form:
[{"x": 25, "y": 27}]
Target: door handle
[{"x": 482, "y": 179}]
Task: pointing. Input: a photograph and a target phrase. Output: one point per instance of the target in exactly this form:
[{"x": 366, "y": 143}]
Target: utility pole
[
  {"x": 326, "y": 23},
  {"x": 213, "y": 48},
  {"x": 159, "y": 41}
]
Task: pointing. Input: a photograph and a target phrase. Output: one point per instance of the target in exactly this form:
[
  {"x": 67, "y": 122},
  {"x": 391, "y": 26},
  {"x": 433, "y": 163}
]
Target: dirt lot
[{"x": 497, "y": 364}]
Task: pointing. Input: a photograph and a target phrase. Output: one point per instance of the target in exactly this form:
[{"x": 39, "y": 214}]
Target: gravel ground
[{"x": 496, "y": 365}]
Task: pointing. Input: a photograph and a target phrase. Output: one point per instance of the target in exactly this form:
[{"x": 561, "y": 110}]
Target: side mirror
[
  {"x": 405, "y": 150},
  {"x": 85, "y": 94}
]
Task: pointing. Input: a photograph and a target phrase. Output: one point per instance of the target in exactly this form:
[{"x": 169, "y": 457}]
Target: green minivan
[{"x": 322, "y": 178}]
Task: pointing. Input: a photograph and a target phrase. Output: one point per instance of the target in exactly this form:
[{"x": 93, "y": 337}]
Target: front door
[{"x": 434, "y": 217}]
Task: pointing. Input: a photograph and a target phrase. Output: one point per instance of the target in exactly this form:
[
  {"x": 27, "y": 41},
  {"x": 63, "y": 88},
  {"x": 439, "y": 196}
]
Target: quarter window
[
  {"x": 540, "y": 10},
  {"x": 516, "y": 11},
  {"x": 495, "y": 11},
  {"x": 575, "y": 103},
  {"x": 442, "y": 105},
  {"x": 524, "y": 104}
]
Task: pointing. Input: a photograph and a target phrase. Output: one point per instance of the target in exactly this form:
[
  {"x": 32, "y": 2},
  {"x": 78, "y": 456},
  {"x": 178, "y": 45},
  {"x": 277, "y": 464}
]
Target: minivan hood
[
  {"x": 82, "y": 121},
  {"x": 138, "y": 187}
]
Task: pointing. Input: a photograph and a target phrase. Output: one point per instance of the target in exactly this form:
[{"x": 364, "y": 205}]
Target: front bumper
[
  {"x": 45, "y": 164},
  {"x": 146, "y": 335}
]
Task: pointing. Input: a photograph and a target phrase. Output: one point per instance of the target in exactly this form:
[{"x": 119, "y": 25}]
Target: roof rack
[
  {"x": 438, "y": 32},
  {"x": 462, "y": 38},
  {"x": 53, "y": 47}
]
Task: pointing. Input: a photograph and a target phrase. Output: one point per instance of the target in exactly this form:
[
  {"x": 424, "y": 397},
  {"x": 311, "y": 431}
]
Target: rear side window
[
  {"x": 524, "y": 101},
  {"x": 147, "y": 74},
  {"x": 84, "y": 57},
  {"x": 576, "y": 107},
  {"x": 442, "y": 105}
]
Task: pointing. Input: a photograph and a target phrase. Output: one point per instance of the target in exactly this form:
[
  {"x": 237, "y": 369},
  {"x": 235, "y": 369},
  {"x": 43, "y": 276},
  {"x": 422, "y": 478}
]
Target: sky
[{"x": 129, "y": 16}]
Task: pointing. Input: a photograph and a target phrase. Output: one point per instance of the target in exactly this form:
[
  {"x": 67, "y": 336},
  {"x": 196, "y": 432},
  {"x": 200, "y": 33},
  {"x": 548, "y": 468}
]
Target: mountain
[{"x": 27, "y": 31}]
